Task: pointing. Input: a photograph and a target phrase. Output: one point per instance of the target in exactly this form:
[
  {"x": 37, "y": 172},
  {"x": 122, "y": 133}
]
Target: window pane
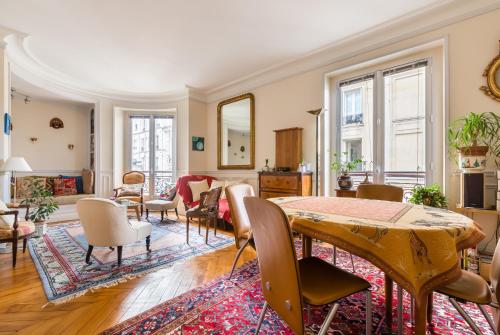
[
  {"x": 140, "y": 144},
  {"x": 356, "y": 131},
  {"x": 404, "y": 115},
  {"x": 163, "y": 154}
]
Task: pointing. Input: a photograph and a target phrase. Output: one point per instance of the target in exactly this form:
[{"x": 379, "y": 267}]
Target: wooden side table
[{"x": 345, "y": 193}]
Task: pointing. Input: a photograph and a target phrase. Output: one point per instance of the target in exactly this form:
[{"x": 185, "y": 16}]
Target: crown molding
[{"x": 402, "y": 28}]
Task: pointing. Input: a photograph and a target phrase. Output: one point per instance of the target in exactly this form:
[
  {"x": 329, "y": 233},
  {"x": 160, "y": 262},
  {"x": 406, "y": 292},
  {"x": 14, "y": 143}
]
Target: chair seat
[
  {"x": 129, "y": 197},
  {"x": 143, "y": 228},
  {"x": 323, "y": 283},
  {"x": 469, "y": 286},
  {"x": 196, "y": 212},
  {"x": 24, "y": 228},
  {"x": 159, "y": 205}
]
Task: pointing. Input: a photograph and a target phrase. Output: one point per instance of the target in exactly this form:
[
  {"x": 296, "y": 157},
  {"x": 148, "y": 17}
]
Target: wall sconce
[
  {"x": 33, "y": 139},
  {"x": 71, "y": 146},
  {"x": 27, "y": 100}
]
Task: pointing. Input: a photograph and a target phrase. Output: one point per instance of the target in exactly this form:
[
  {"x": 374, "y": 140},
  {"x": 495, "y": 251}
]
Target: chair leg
[
  {"x": 187, "y": 229},
  {"x": 261, "y": 318},
  {"x": 328, "y": 319},
  {"x": 148, "y": 243},
  {"x": 161, "y": 213},
  {"x": 142, "y": 209},
  {"x": 147, "y": 213},
  {"x": 89, "y": 252},
  {"x": 25, "y": 241},
  {"x": 199, "y": 226},
  {"x": 238, "y": 254},
  {"x": 14, "y": 252},
  {"x": 352, "y": 263},
  {"x": 334, "y": 259},
  {"x": 207, "y": 225},
  {"x": 176, "y": 213},
  {"x": 111, "y": 248},
  {"x": 120, "y": 248},
  {"x": 466, "y": 316},
  {"x": 368, "y": 303},
  {"x": 488, "y": 318},
  {"x": 400, "y": 309}
]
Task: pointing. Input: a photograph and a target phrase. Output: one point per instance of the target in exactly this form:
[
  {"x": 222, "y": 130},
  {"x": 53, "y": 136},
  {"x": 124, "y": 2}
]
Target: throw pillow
[
  {"x": 23, "y": 185},
  {"x": 170, "y": 195},
  {"x": 88, "y": 181},
  {"x": 6, "y": 221},
  {"x": 64, "y": 186},
  {"x": 79, "y": 182},
  {"x": 131, "y": 190},
  {"x": 217, "y": 184},
  {"x": 197, "y": 187}
]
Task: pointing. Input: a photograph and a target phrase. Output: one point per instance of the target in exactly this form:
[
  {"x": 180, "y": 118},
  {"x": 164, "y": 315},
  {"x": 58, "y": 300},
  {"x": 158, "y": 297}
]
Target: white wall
[{"x": 50, "y": 154}]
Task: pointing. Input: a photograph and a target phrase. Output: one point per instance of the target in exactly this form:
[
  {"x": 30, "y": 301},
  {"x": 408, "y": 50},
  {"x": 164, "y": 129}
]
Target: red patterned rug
[{"x": 233, "y": 306}]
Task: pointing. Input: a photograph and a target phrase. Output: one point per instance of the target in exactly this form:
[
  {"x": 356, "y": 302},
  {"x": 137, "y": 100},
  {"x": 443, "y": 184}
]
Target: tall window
[
  {"x": 152, "y": 150},
  {"x": 389, "y": 136}
]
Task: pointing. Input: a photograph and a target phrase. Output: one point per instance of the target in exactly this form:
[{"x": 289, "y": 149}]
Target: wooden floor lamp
[{"x": 317, "y": 113}]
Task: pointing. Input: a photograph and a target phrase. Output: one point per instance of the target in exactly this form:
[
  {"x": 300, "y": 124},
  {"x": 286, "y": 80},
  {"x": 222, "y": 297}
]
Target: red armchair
[{"x": 184, "y": 191}]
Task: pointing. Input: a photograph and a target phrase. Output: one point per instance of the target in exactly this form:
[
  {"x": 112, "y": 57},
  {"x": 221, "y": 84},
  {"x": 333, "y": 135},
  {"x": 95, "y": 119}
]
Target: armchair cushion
[
  {"x": 131, "y": 190},
  {"x": 6, "y": 221},
  {"x": 24, "y": 228},
  {"x": 197, "y": 187}
]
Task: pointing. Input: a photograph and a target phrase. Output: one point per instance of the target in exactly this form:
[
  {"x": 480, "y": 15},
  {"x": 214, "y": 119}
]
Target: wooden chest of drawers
[{"x": 284, "y": 184}]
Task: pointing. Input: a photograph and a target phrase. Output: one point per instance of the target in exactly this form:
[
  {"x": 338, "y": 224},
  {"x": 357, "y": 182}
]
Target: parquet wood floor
[{"x": 22, "y": 295}]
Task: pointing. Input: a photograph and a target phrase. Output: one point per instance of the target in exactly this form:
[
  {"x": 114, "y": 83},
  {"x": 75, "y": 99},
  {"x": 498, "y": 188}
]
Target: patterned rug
[
  {"x": 233, "y": 306},
  {"x": 59, "y": 257}
]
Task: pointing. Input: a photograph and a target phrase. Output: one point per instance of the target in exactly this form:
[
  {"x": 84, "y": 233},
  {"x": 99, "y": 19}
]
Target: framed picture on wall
[
  {"x": 7, "y": 126},
  {"x": 198, "y": 143}
]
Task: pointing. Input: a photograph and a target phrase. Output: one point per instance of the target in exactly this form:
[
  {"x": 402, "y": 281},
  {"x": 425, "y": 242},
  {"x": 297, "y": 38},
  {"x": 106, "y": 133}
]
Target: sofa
[{"x": 184, "y": 191}]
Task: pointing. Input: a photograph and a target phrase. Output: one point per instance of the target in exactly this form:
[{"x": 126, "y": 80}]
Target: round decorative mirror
[{"x": 492, "y": 74}]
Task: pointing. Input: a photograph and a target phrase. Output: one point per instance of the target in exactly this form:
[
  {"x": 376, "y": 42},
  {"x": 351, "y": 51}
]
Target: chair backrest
[
  {"x": 380, "y": 192},
  {"x": 184, "y": 190},
  {"x": 239, "y": 216},
  {"x": 210, "y": 199},
  {"x": 277, "y": 260},
  {"x": 134, "y": 177},
  {"x": 495, "y": 274},
  {"x": 104, "y": 222}
]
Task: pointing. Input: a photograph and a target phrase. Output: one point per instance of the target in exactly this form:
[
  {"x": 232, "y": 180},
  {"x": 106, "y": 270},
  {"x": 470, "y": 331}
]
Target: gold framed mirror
[
  {"x": 492, "y": 74},
  {"x": 236, "y": 133}
]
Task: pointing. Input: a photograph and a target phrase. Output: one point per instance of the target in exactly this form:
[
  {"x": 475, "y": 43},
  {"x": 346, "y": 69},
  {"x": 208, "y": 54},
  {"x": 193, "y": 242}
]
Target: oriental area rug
[
  {"x": 225, "y": 306},
  {"x": 59, "y": 257}
]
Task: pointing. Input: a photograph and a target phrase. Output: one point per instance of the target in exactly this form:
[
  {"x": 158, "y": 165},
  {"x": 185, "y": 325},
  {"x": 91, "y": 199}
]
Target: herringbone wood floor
[{"x": 22, "y": 295}]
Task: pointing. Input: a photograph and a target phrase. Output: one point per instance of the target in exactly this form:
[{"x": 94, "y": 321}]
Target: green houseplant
[
  {"x": 472, "y": 137},
  {"x": 344, "y": 166},
  {"x": 41, "y": 201},
  {"x": 428, "y": 196}
]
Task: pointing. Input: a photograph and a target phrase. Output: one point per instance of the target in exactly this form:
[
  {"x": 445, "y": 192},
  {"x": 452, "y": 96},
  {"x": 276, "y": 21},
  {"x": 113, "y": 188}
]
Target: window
[
  {"x": 152, "y": 150},
  {"x": 395, "y": 127}
]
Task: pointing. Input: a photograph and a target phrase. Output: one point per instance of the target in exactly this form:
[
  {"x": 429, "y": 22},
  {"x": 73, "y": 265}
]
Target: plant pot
[
  {"x": 40, "y": 227},
  {"x": 345, "y": 182},
  {"x": 472, "y": 158}
]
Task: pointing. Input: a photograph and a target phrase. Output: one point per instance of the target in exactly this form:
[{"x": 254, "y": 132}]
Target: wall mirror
[
  {"x": 492, "y": 74},
  {"x": 236, "y": 133}
]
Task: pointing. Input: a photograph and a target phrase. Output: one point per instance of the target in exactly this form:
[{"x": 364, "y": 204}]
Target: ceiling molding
[{"x": 402, "y": 28}]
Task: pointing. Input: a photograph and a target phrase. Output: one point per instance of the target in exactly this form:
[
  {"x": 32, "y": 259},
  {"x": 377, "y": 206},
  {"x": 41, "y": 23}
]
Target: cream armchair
[{"x": 105, "y": 224}]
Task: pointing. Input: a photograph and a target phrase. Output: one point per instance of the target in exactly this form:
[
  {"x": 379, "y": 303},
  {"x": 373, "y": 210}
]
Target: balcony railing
[
  {"x": 352, "y": 119},
  {"x": 162, "y": 180}
]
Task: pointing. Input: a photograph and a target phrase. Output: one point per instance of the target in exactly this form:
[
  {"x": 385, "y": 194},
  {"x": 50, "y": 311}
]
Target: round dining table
[{"x": 416, "y": 246}]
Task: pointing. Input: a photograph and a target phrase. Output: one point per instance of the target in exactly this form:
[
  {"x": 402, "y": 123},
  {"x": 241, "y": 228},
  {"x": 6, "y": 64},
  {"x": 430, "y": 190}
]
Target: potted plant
[
  {"x": 42, "y": 203},
  {"x": 473, "y": 137},
  {"x": 428, "y": 196},
  {"x": 344, "y": 167}
]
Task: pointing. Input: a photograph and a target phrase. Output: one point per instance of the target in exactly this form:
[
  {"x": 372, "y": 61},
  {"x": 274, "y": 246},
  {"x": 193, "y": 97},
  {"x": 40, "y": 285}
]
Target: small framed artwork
[
  {"x": 6, "y": 124},
  {"x": 198, "y": 143}
]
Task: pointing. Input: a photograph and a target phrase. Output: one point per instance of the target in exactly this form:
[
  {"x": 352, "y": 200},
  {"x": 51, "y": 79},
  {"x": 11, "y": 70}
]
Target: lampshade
[{"x": 17, "y": 164}]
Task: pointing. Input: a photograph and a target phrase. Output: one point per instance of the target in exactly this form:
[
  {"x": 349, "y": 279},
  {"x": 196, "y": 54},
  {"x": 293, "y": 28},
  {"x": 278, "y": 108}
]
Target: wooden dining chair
[
  {"x": 470, "y": 287},
  {"x": 207, "y": 211},
  {"x": 287, "y": 283},
  {"x": 239, "y": 218}
]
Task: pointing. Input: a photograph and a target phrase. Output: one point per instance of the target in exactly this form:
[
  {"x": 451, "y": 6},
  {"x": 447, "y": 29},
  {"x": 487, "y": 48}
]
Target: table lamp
[{"x": 15, "y": 164}]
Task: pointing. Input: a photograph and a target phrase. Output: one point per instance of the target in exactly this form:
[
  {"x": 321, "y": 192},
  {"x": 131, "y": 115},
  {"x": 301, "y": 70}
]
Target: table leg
[
  {"x": 137, "y": 213},
  {"x": 430, "y": 301},
  {"x": 306, "y": 246},
  {"x": 388, "y": 301},
  {"x": 421, "y": 304}
]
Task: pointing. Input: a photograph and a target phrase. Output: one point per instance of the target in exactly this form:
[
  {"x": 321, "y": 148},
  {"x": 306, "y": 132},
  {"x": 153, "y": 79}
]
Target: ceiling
[{"x": 156, "y": 46}]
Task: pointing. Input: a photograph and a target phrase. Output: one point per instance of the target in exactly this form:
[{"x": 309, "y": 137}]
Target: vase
[
  {"x": 344, "y": 181},
  {"x": 40, "y": 228},
  {"x": 472, "y": 158}
]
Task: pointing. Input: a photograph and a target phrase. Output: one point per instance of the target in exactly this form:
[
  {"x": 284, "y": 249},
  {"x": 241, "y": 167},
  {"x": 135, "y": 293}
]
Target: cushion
[
  {"x": 24, "y": 228},
  {"x": 197, "y": 187},
  {"x": 131, "y": 190},
  {"x": 79, "y": 182},
  {"x": 159, "y": 205},
  {"x": 88, "y": 181},
  {"x": 64, "y": 186},
  {"x": 217, "y": 184},
  {"x": 170, "y": 195},
  {"x": 6, "y": 221},
  {"x": 23, "y": 185}
]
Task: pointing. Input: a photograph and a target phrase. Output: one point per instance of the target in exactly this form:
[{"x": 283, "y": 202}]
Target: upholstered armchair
[
  {"x": 12, "y": 229},
  {"x": 105, "y": 224},
  {"x": 132, "y": 188}
]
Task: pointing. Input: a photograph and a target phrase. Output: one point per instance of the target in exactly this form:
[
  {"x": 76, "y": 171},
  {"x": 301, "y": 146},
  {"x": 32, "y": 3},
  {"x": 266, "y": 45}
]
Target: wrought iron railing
[
  {"x": 351, "y": 119},
  {"x": 162, "y": 181}
]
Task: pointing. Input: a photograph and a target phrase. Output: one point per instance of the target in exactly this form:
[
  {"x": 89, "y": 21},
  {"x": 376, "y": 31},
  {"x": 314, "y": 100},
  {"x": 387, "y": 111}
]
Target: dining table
[{"x": 415, "y": 246}]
